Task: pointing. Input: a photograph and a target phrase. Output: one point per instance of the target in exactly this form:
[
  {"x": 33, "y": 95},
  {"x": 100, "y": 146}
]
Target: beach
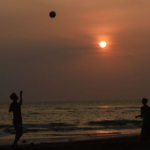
[
  {"x": 71, "y": 119},
  {"x": 75, "y": 125},
  {"x": 117, "y": 143},
  {"x": 74, "y": 74}
]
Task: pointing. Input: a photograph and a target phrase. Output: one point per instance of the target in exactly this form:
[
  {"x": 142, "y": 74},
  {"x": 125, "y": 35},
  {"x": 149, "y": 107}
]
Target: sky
[{"x": 59, "y": 59}]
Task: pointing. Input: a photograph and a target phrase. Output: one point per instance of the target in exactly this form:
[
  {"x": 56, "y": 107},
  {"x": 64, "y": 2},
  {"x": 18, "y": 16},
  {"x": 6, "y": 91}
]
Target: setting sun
[{"x": 102, "y": 44}]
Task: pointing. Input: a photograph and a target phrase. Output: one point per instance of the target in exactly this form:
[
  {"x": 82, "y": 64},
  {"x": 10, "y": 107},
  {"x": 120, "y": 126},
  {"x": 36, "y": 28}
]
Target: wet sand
[{"x": 121, "y": 143}]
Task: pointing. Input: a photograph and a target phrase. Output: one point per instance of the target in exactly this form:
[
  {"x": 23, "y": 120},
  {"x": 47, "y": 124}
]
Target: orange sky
[{"x": 60, "y": 58}]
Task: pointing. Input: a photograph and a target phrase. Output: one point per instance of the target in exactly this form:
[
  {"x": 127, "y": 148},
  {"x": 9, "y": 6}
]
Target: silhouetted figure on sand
[
  {"x": 15, "y": 107},
  {"x": 145, "y": 114}
]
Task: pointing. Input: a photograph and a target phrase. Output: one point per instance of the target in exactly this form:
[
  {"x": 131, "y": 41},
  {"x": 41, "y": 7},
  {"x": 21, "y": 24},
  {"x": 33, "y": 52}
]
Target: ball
[{"x": 52, "y": 14}]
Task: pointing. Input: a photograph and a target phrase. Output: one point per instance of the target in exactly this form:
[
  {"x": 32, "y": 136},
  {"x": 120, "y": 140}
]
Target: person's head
[
  {"x": 14, "y": 97},
  {"x": 144, "y": 101}
]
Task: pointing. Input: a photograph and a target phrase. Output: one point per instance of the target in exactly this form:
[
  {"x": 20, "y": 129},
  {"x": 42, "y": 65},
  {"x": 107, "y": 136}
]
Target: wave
[
  {"x": 106, "y": 123},
  {"x": 5, "y": 126},
  {"x": 115, "y": 123},
  {"x": 113, "y": 107},
  {"x": 50, "y": 125},
  {"x": 91, "y": 125},
  {"x": 62, "y": 108},
  {"x": 35, "y": 113},
  {"x": 67, "y": 129},
  {"x": 60, "y": 131},
  {"x": 41, "y": 125},
  {"x": 61, "y": 124}
]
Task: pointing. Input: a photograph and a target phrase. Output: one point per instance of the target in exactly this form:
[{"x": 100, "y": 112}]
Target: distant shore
[{"x": 117, "y": 143}]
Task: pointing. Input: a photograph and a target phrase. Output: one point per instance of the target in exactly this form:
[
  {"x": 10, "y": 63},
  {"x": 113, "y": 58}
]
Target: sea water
[{"x": 60, "y": 120}]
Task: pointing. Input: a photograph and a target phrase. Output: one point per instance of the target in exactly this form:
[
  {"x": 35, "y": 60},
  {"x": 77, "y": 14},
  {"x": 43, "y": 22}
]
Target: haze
[{"x": 60, "y": 59}]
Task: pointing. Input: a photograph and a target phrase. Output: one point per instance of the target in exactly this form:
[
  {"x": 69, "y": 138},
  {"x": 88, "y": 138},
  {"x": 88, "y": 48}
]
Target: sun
[{"x": 102, "y": 44}]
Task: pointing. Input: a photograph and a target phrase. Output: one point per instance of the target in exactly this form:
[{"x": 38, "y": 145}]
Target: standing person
[
  {"x": 15, "y": 107},
  {"x": 145, "y": 114}
]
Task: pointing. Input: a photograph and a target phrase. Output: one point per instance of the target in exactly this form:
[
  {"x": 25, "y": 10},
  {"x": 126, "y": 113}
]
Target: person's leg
[
  {"x": 148, "y": 131},
  {"x": 143, "y": 132},
  {"x": 19, "y": 131}
]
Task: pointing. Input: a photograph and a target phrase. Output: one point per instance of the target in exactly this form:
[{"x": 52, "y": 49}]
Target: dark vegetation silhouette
[
  {"x": 145, "y": 114},
  {"x": 15, "y": 107}
]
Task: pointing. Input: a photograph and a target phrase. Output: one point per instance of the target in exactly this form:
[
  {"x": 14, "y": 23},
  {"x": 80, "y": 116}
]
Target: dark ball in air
[{"x": 52, "y": 14}]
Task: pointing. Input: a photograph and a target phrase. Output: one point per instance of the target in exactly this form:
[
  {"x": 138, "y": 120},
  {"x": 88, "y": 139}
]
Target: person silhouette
[
  {"x": 15, "y": 107},
  {"x": 145, "y": 114}
]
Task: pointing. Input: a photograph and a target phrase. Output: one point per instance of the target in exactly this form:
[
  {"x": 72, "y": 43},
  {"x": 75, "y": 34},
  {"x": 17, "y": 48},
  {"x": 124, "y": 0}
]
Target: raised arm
[{"x": 20, "y": 98}]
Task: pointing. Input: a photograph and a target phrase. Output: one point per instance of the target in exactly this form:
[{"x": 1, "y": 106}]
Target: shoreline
[
  {"x": 116, "y": 143},
  {"x": 67, "y": 138}
]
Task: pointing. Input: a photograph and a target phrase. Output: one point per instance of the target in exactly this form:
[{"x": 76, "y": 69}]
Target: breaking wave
[{"x": 115, "y": 123}]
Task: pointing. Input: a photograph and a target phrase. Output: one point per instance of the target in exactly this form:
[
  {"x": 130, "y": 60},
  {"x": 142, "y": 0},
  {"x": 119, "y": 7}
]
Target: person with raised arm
[
  {"x": 15, "y": 107},
  {"x": 145, "y": 114}
]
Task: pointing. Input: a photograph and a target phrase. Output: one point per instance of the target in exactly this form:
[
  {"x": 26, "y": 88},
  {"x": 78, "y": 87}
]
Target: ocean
[{"x": 73, "y": 120}]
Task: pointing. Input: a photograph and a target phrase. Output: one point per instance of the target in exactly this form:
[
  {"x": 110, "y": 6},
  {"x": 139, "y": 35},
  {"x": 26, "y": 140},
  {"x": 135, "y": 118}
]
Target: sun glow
[{"x": 102, "y": 44}]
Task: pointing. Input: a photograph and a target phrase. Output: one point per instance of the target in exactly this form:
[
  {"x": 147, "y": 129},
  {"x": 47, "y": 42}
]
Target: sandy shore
[{"x": 121, "y": 143}]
